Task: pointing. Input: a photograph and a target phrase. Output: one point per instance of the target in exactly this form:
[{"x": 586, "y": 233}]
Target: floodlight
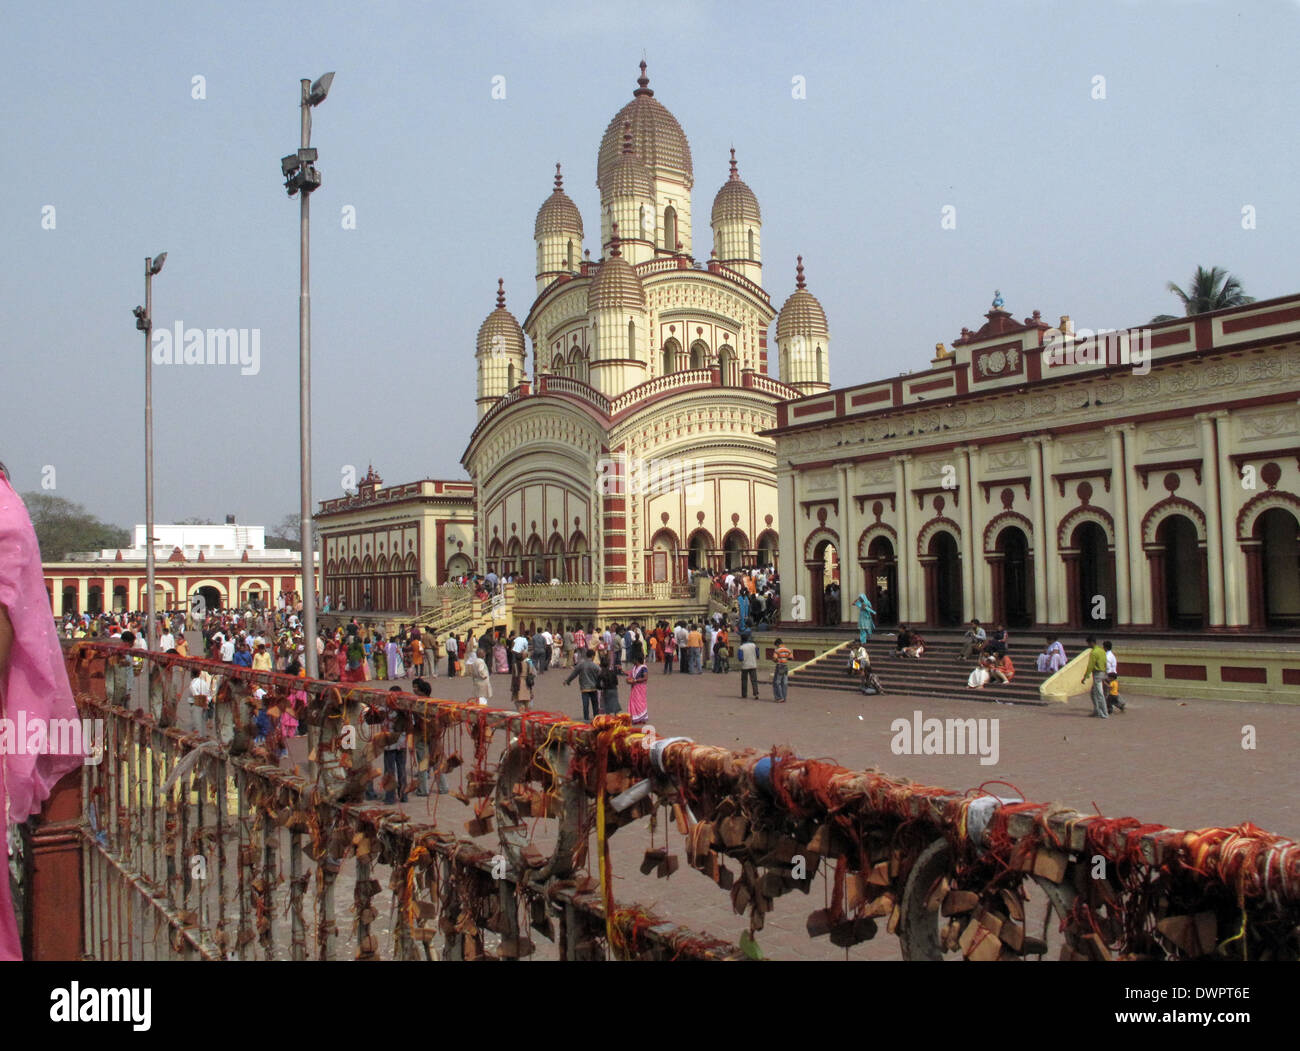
[
  {"x": 157, "y": 264},
  {"x": 316, "y": 95}
]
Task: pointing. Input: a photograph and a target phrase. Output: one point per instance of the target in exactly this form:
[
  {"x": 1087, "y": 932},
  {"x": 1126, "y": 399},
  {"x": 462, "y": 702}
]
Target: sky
[{"x": 1089, "y": 154}]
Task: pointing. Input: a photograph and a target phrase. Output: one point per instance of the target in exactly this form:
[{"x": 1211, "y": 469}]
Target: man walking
[
  {"x": 748, "y": 666},
  {"x": 781, "y": 657},
  {"x": 587, "y": 672},
  {"x": 1097, "y": 668}
]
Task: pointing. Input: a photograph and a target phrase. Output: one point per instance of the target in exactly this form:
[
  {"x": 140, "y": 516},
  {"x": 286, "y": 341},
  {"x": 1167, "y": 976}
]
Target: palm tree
[{"x": 1211, "y": 289}]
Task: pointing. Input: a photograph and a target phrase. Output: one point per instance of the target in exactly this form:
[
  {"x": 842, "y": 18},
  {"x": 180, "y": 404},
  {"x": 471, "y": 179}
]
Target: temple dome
[
  {"x": 802, "y": 314},
  {"x": 500, "y": 333},
  {"x": 558, "y": 214},
  {"x": 657, "y": 138},
  {"x": 735, "y": 200},
  {"x": 616, "y": 283}
]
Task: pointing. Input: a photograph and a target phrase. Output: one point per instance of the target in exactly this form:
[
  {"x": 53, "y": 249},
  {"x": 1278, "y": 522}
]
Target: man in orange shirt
[
  {"x": 695, "y": 643},
  {"x": 781, "y": 657}
]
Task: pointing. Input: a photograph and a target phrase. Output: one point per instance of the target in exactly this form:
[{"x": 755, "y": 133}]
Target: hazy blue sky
[{"x": 1064, "y": 202}]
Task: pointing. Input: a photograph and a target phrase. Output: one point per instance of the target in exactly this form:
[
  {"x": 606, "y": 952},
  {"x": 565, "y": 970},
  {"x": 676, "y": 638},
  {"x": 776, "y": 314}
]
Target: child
[
  {"x": 670, "y": 651},
  {"x": 1113, "y": 699}
]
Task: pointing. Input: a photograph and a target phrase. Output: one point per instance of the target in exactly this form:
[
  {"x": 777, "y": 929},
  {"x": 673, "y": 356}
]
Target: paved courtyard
[{"x": 1180, "y": 763}]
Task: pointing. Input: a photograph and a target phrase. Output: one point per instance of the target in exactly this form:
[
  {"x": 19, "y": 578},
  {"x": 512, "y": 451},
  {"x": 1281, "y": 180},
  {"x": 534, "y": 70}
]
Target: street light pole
[
  {"x": 301, "y": 177},
  {"x": 144, "y": 322}
]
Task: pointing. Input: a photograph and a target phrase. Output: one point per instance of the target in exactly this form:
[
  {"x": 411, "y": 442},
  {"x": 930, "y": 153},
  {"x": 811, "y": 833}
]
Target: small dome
[
  {"x": 802, "y": 314},
  {"x": 735, "y": 200},
  {"x": 500, "y": 333},
  {"x": 628, "y": 176},
  {"x": 657, "y": 137},
  {"x": 558, "y": 214},
  {"x": 616, "y": 283}
]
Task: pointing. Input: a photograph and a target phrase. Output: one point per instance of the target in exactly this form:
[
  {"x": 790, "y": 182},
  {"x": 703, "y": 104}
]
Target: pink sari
[
  {"x": 637, "y": 705},
  {"x": 36, "y": 683}
]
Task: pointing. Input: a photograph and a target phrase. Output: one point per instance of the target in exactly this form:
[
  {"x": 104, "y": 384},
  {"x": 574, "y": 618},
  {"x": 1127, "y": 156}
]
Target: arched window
[
  {"x": 645, "y": 225},
  {"x": 751, "y": 245},
  {"x": 557, "y": 365},
  {"x": 670, "y": 228},
  {"x": 568, "y": 254},
  {"x": 821, "y": 374},
  {"x": 727, "y": 363},
  {"x": 671, "y": 349},
  {"x": 510, "y": 377},
  {"x": 699, "y": 355},
  {"x": 631, "y": 338},
  {"x": 539, "y": 257}
]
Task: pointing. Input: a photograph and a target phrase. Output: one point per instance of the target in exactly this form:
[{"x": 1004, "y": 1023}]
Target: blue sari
[{"x": 866, "y": 615}]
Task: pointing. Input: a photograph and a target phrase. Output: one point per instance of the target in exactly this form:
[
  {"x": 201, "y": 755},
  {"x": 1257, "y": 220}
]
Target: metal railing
[{"x": 208, "y": 845}]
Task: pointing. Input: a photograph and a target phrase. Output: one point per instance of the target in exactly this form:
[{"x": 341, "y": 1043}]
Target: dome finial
[
  {"x": 798, "y": 273},
  {"x": 559, "y": 179},
  {"x": 734, "y": 173},
  {"x": 627, "y": 136},
  {"x": 614, "y": 249},
  {"x": 644, "y": 83},
  {"x": 501, "y": 293}
]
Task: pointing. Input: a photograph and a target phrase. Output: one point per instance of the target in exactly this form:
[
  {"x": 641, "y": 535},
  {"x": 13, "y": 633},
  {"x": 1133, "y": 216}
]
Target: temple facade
[
  {"x": 1035, "y": 475},
  {"x": 621, "y": 435}
]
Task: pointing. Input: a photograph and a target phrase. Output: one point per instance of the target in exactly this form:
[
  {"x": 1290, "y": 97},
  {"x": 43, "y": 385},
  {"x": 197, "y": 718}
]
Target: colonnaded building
[
  {"x": 1042, "y": 476},
  {"x": 631, "y": 448}
]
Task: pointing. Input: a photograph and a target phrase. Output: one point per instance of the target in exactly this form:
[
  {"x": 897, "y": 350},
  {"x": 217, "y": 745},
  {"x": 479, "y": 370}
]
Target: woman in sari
[
  {"x": 356, "y": 660},
  {"x": 639, "y": 680},
  {"x": 396, "y": 669},
  {"x": 500, "y": 658},
  {"x": 380, "y": 652},
  {"x": 330, "y": 664},
  {"x": 340, "y": 658}
]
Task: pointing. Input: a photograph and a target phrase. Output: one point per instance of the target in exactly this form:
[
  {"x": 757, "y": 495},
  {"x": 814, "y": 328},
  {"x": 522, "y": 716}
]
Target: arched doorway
[
  {"x": 581, "y": 558},
  {"x": 881, "y": 569},
  {"x": 119, "y": 598},
  {"x": 69, "y": 601},
  {"x": 95, "y": 600},
  {"x": 459, "y": 565},
  {"x": 1279, "y": 536},
  {"x": 555, "y": 559},
  {"x": 699, "y": 355},
  {"x": 700, "y": 548},
  {"x": 767, "y": 548},
  {"x": 734, "y": 548},
  {"x": 1016, "y": 592},
  {"x": 1092, "y": 584},
  {"x": 1179, "y": 575},
  {"x": 212, "y": 599},
  {"x": 727, "y": 366},
  {"x": 943, "y": 581},
  {"x": 824, "y": 585}
]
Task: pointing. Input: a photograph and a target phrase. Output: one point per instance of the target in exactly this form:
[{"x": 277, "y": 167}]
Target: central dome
[{"x": 657, "y": 138}]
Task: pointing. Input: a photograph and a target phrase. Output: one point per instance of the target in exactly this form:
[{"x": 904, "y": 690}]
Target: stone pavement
[{"x": 1179, "y": 763}]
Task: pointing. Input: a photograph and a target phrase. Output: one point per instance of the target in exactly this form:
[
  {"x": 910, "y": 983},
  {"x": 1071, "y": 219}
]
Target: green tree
[
  {"x": 62, "y": 527},
  {"x": 1212, "y": 289}
]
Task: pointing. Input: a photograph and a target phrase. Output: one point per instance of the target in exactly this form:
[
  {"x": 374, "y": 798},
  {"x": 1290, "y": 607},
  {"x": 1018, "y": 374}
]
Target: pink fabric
[
  {"x": 36, "y": 684},
  {"x": 637, "y": 705}
]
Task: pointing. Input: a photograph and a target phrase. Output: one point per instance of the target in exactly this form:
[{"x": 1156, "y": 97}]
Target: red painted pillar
[{"x": 55, "y": 895}]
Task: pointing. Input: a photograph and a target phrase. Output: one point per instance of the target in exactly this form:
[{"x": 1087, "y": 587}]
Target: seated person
[
  {"x": 1002, "y": 669},
  {"x": 981, "y": 675},
  {"x": 903, "y": 640},
  {"x": 1053, "y": 658},
  {"x": 997, "y": 643},
  {"x": 973, "y": 641},
  {"x": 915, "y": 645}
]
